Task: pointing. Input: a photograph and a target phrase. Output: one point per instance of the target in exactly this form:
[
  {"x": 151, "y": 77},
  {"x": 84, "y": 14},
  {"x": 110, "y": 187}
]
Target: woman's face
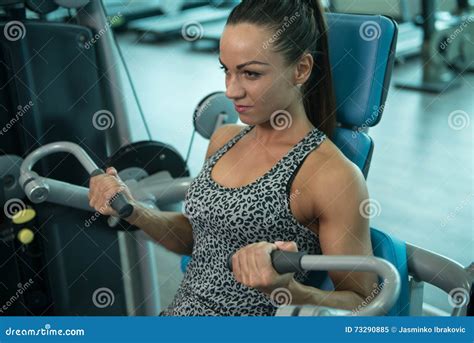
[{"x": 255, "y": 76}]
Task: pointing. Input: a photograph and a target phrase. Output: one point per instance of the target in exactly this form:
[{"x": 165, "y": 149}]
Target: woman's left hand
[{"x": 252, "y": 266}]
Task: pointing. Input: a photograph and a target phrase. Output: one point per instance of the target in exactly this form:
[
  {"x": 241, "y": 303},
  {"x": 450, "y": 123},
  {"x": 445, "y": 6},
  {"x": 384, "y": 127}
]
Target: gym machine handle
[
  {"x": 289, "y": 262},
  {"x": 283, "y": 261},
  {"x": 118, "y": 202},
  {"x": 39, "y": 189}
]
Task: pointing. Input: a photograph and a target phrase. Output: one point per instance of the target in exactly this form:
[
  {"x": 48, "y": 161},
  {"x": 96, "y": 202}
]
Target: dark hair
[{"x": 299, "y": 27}]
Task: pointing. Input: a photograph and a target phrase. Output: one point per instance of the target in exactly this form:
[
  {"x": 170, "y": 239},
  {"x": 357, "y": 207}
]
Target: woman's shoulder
[
  {"x": 328, "y": 170},
  {"x": 221, "y": 136}
]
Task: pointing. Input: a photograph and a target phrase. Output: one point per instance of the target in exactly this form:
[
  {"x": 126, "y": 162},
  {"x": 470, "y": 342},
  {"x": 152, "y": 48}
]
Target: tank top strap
[
  {"x": 296, "y": 156},
  {"x": 222, "y": 150}
]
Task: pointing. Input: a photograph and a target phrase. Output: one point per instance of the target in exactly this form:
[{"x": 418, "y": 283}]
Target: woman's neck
[{"x": 290, "y": 125}]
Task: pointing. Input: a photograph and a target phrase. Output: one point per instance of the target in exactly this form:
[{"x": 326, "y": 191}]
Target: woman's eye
[
  {"x": 252, "y": 74},
  {"x": 224, "y": 69}
]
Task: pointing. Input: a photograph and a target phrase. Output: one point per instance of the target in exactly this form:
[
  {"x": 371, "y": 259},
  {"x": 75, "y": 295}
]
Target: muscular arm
[{"x": 342, "y": 231}]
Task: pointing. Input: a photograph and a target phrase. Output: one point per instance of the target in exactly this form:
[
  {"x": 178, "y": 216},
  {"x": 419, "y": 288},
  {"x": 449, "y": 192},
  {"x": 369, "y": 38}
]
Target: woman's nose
[{"x": 233, "y": 89}]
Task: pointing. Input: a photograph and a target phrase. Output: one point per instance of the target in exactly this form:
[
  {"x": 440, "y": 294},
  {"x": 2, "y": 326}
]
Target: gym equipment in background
[
  {"x": 182, "y": 20},
  {"x": 131, "y": 10},
  {"x": 446, "y": 44},
  {"x": 211, "y": 113},
  {"x": 458, "y": 48},
  {"x": 410, "y": 35},
  {"x": 65, "y": 251}
]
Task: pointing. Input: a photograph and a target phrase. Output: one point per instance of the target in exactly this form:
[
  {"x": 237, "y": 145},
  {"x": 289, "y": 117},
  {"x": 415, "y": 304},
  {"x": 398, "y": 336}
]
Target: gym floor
[{"x": 421, "y": 171}]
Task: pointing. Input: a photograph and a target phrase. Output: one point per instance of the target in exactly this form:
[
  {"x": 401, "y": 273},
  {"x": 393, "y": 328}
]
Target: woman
[{"x": 277, "y": 183}]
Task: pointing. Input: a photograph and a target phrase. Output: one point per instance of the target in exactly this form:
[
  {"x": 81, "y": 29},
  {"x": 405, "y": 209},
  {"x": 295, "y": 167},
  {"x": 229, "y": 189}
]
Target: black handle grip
[
  {"x": 119, "y": 202},
  {"x": 283, "y": 261}
]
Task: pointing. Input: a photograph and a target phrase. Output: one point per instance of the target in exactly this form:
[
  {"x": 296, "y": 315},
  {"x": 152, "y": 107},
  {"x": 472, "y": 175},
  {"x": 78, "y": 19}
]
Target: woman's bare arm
[
  {"x": 173, "y": 229},
  {"x": 343, "y": 230}
]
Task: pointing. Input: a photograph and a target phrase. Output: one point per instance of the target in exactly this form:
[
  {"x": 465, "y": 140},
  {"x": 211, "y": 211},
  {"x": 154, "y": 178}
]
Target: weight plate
[
  {"x": 213, "y": 111},
  {"x": 151, "y": 156},
  {"x": 41, "y": 6}
]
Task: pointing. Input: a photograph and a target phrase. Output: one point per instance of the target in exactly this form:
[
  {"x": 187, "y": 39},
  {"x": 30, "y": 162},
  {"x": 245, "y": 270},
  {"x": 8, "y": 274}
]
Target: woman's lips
[{"x": 242, "y": 109}]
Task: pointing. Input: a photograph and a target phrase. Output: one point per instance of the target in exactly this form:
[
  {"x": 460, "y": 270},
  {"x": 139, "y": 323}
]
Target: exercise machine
[
  {"x": 58, "y": 256},
  {"x": 410, "y": 35},
  {"x": 447, "y": 50},
  {"x": 183, "y": 21},
  {"x": 51, "y": 247}
]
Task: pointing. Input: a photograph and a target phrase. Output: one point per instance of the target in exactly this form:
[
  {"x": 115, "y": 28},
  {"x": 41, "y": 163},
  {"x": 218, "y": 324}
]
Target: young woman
[{"x": 276, "y": 183}]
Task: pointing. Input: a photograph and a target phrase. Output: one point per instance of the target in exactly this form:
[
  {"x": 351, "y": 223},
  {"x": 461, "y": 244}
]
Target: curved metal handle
[
  {"x": 289, "y": 262},
  {"x": 37, "y": 188}
]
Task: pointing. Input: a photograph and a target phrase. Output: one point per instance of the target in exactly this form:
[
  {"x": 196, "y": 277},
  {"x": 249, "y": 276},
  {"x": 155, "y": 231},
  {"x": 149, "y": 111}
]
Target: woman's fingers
[
  {"x": 253, "y": 274},
  {"x": 112, "y": 171},
  {"x": 252, "y": 264},
  {"x": 264, "y": 265},
  {"x": 236, "y": 266},
  {"x": 102, "y": 188},
  {"x": 244, "y": 266},
  {"x": 287, "y": 246}
]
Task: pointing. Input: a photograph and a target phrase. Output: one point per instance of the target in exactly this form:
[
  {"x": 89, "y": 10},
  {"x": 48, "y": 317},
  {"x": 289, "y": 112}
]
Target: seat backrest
[{"x": 362, "y": 51}]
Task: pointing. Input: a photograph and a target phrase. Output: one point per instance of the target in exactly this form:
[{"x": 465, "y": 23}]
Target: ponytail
[{"x": 318, "y": 93}]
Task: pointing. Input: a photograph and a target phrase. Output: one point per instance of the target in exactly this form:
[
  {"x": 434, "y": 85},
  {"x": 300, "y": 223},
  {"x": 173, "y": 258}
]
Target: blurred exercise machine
[
  {"x": 410, "y": 35},
  {"x": 448, "y": 48},
  {"x": 180, "y": 19},
  {"x": 64, "y": 80}
]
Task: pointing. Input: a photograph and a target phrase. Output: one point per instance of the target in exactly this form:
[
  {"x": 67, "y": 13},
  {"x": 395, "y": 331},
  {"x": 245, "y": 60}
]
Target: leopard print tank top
[{"x": 226, "y": 219}]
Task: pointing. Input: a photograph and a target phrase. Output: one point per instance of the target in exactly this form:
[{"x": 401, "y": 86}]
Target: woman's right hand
[{"x": 103, "y": 187}]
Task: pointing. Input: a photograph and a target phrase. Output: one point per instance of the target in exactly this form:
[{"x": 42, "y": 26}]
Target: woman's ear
[{"x": 303, "y": 69}]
